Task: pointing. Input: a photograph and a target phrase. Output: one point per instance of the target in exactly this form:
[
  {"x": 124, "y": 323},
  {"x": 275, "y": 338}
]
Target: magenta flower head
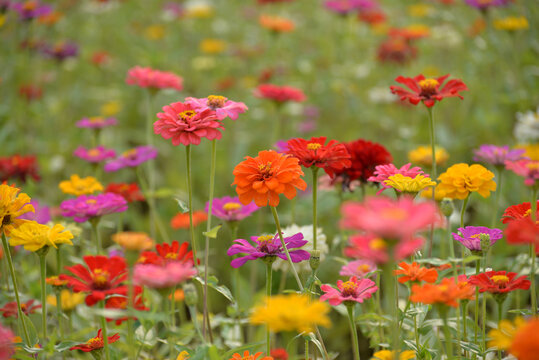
[
  {"x": 383, "y": 172},
  {"x": 470, "y": 237},
  {"x": 186, "y": 125},
  {"x": 7, "y": 349},
  {"x": 86, "y": 207},
  {"x": 96, "y": 122},
  {"x": 497, "y": 155},
  {"x": 231, "y": 209},
  {"x": 163, "y": 276},
  {"x": 358, "y": 268},
  {"x": 42, "y": 214},
  {"x": 61, "y": 50},
  {"x": 146, "y": 77},
  {"x": 343, "y": 7},
  {"x": 221, "y": 105},
  {"x": 349, "y": 292},
  {"x": 268, "y": 246},
  {"x": 484, "y": 5},
  {"x": 94, "y": 155},
  {"x": 30, "y": 9},
  {"x": 132, "y": 158},
  {"x": 529, "y": 169}
]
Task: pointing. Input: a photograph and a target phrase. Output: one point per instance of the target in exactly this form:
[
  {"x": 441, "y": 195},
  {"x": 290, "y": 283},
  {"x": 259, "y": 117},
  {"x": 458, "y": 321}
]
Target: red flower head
[
  {"x": 518, "y": 212},
  {"x": 30, "y": 92},
  {"x": 280, "y": 94},
  {"x": 523, "y": 231},
  {"x": 18, "y": 168},
  {"x": 365, "y": 156},
  {"x": 186, "y": 125},
  {"x": 103, "y": 276},
  {"x": 10, "y": 309},
  {"x": 279, "y": 354},
  {"x": 415, "y": 273},
  {"x": 175, "y": 252},
  {"x": 372, "y": 17},
  {"x": 181, "y": 220},
  {"x": 331, "y": 157},
  {"x": 130, "y": 192},
  {"x": 497, "y": 282},
  {"x": 120, "y": 303},
  {"x": 396, "y": 50},
  {"x": 96, "y": 343},
  {"x": 427, "y": 90}
]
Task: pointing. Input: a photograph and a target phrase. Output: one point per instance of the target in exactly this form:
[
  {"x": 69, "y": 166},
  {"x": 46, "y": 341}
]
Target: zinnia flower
[
  {"x": 34, "y": 236},
  {"x": 428, "y": 90},
  {"x": 358, "y": 268},
  {"x": 120, "y": 303},
  {"x": 279, "y": 354},
  {"x": 276, "y": 24},
  {"x": 371, "y": 247},
  {"x": 525, "y": 344},
  {"x": 12, "y": 206},
  {"x": 131, "y": 158},
  {"x": 146, "y": 77},
  {"x": 163, "y": 276},
  {"x": 390, "y": 355},
  {"x": 94, "y": 155},
  {"x": 383, "y": 172},
  {"x": 343, "y": 7},
  {"x": 175, "y": 252},
  {"x": 61, "y": 50},
  {"x": 185, "y": 124},
  {"x": 6, "y": 343},
  {"x": 130, "y": 192},
  {"x": 523, "y": 231},
  {"x": 529, "y": 169},
  {"x": 518, "y": 212},
  {"x": 80, "y": 186},
  {"x": 133, "y": 240},
  {"x": 221, "y": 105},
  {"x": 230, "y": 208},
  {"x": 396, "y": 49},
  {"x": 422, "y": 155},
  {"x": 350, "y": 291},
  {"x": 502, "y": 337},
  {"x": 30, "y": 9},
  {"x": 68, "y": 300},
  {"x": 18, "y": 168},
  {"x": 415, "y": 273},
  {"x": 86, "y": 207},
  {"x": 279, "y": 94},
  {"x": 10, "y": 309},
  {"x": 181, "y": 220},
  {"x": 266, "y": 176},
  {"x": 41, "y": 214},
  {"x": 248, "y": 356},
  {"x": 96, "y": 122},
  {"x": 409, "y": 185},
  {"x": 497, "y": 155},
  {"x": 470, "y": 237},
  {"x": 446, "y": 293},
  {"x": 96, "y": 343},
  {"x": 499, "y": 282},
  {"x": 462, "y": 179}
]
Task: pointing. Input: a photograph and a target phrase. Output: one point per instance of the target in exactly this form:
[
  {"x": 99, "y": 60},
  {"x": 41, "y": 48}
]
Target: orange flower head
[
  {"x": 525, "y": 345},
  {"x": 264, "y": 177},
  {"x": 276, "y": 24},
  {"x": 415, "y": 273},
  {"x": 248, "y": 356},
  {"x": 181, "y": 220},
  {"x": 446, "y": 293}
]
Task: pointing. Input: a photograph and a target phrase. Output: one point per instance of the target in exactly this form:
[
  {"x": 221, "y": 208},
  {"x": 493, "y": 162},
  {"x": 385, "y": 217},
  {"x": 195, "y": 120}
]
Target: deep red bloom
[
  {"x": 18, "y": 167},
  {"x": 103, "y": 276},
  {"x": 331, "y": 157},
  {"x": 120, "y": 302},
  {"x": 427, "y": 90},
  {"x": 130, "y": 192},
  {"x": 30, "y": 92},
  {"x": 279, "y": 354},
  {"x": 279, "y": 94},
  {"x": 523, "y": 231},
  {"x": 373, "y": 17},
  {"x": 396, "y": 50},
  {"x": 10, "y": 309},
  {"x": 175, "y": 252},
  {"x": 497, "y": 282},
  {"x": 96, "y": 343},
  {"x": 365, "y": 156},
  {"x": 518, "y": 212}
]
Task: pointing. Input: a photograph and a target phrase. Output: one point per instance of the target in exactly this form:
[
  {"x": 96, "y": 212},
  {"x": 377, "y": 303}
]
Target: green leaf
[
  {"x": 148, "y": 338},
  {"x": 183, "y": 207},
  {"x": 213, "y": 283},
  {"x": 65, "y": 345},
  {"x": 523, "y": 312},
  {"x": 32, "y": 332},
  {"x": 212, "y": 234},
  {"x": 214, "y": 354}
]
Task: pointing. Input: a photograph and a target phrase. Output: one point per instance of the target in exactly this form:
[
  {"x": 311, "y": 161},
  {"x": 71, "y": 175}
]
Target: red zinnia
[
  {"x": 175, "y": 252},
  {"x": 415, "y": 273},
  {"x": 18, "y": 167},
  {"x": 396, "y": 50},
  {"x": 96, "y": 343},
  {"x": 10, "y": 309},
  {"x": 279, "y": 94},
  {"x": 518, "y": 212},
  {"x": 130, "y": 192},
  {"x": 427, "y": 90},
  {"x": 497, "y": 282},
  {"x": 181, "y": 220},
  {"x": 331, "y": 157},
  {"x": 279, "y": 354},
  {"x": 523, "y": 231},
  {"x": 120, "y": 302},
  {"x": 103, "y": 276}
]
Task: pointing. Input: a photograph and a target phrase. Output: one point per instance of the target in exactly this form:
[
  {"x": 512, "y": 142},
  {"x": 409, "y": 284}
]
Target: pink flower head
[
  {"x": 498, "y": 155},
  {"x": 358, "y": 268},
  {"x": 469, "y": 236},
  {"x": 221, "y": 105},
  {"x": 344, "y": 7},
  {"x": 350, "y": 291},
  {"x": 131, "y": 158},
  {"x": 529, "y": 169},
  {"x": 231, "y": 209},
  {"x": 31, "y": 9},
  {"x": 166, "y": 276},
  {"x": 146, "y": 77},
  {"x": 428, "y": 90},
  {"x": 383, "y": 172},
  {"x": 374, "y": 248},
  {"x": 94, "y": 155},
  {"x": 279, "y": 94},
  {"x": 96, "y": 122},
  {"x": 6, "y": 343},
  {"x": 86, "y": 207},
  {"x": 186, "y": 125},
  {"x": 389, "y": 218}
]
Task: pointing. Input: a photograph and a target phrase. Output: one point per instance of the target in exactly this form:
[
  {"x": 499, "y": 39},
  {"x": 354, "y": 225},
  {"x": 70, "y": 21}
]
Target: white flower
[
  {"x": 527, "y": 126},
  {"x": 381, "y": 95}
]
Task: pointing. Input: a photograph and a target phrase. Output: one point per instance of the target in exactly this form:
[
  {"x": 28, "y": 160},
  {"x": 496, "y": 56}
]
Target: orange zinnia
[
  {"x": 266, "y": 176},
  {"x": 181, "y": 220},
  {"x": 276, "y": 23},
  {"x": 415, "y": 273},
  {"x": 446, "y": 293},
  {"x": 525, "y": 344}
]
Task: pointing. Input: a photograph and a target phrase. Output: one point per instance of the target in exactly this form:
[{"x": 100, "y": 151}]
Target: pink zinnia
[
  {"x": 94, "y": 155},
  {"x": 186, "y": 125},
  {"x": 6, "y": 343},
  {"x": 221, "y": 105},
  {"x": 376, "y": 249},
  {"x": 383, "y": 172},
  {"x": 146, "y": 77},
  {"x": 166, "y": 276},
  {"x": 529, "y": 169},
  {"x": 96, "y": 122},
  {"x": 280, "y": 94},
  {"x": 350, "y": 291},
  {"x": 358, "y": 268}
]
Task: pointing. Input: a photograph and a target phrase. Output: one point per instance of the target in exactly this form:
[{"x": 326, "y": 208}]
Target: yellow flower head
[
  {"x": 407, "y": 184},
  {"x": 511, "y": 23},
  {"x": 462, "y": 179},
  {"x": 154, "y": 32},
  {"x": 419, "y": 10},
  {"x": 422, "y": 155},
  {"x": 438, "y": 194},
  {"x": 291, "y": 313},
  {"x": 184, "y": 355},
  {"x": 77, "y": 186},
  {"x": 200, "y": 11},
  {"x": 111, "y": 108},
  {"x": 12, "y": 205},
  {"x": 34, "y": 236},
  {"x": 132, "y": 240},
  {"x": 212, "y": 46},
  {"x": 532, "y": 151},
  {"x": 390, "y": 355},
  {"x": 502, "y": 337},
  {"x": 69, "y": 300}
]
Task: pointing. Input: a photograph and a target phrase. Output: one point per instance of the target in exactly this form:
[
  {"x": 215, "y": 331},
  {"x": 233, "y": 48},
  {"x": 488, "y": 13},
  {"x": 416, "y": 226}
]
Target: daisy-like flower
[
  {"x": 518, "y": 212},
  {"x": 279, "y": 354},
  {"x": 80, "y": 186},
  {"x": 12, "y": 206},
  {"x": 411, "y": 32},
  {"x": 102, "y": 276},
  {"x": 358, "y": 268},
  {"x": 525, "y": 342},
  {"x": 96, "y": 343},
  {"x": 175, "y": 252},
  {"x": 163, "y": 276},
  {"x": 94, "y": 155},
  {"x": 446, "y": 293},
  {"x": 30, "y": 9},
  {"x": 523, "y": 231},
  {"x": 462, "y": 179},
  {"x": 132, "y": 158},
  {"x": 497, "y": 155},
  {"x": 331, "y": 157},
  {"x": 18, "y": 168},
  {"x": 528, "y": 169},
  {"x": 279, "y": 94},
  {"x": 276, "y": 24},
  {"x": 484, "y": 5},
  {"x": 86, "y": 207},
  {"x": 146, "y": 77},
  {"x": 422, "y": 155},
  {"x": 427, "y": 90},
  {"x": 129, "y": 191},
  {"x": 120, "y": 303},
  {"x": 349, "y": 292},
  {"x": 499, "y": 282},
  {"x": 409, "y": 185},
  {"x": 181, "y": 220},
  {"x": 502, "y": 337},
  {"x": 343, "y": 7},
  {"x": 33, "y": 236},
  {"x": 470, "y": 237},
  {"x": 133, "y": 240},
  {"x": 10, "y": 309},
  {"x": 264, "y": 177},
  {"x": 248, "y": 356},
  {"x": 291, "y": 313},
  {"x": 527, "y": 126},
  {"x": 230, "y": 208},
  {"x": 68, "y": 300},
  {"x": 222, "y": 106},
  {"x": 371, "y": 247},
  {"x": 96, "y": 122},
  {"x": 391, "y": 355},
  {"x": 185, "y": 124},
  {"x": 268, "y": 246},
  {"x": 60, "y": 51},
  {"x": 41, "y": 215},
  {"x": 415, "y": 273},
  {"x": 383, "y": 172},
  {"x": 395, "y": 50}
]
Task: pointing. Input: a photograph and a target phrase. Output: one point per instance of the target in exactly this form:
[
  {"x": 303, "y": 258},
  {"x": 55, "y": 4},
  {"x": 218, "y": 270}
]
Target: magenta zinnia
[{"x": 350, "y": 291}]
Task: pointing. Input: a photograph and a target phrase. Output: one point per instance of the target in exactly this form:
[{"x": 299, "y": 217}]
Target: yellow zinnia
[
  {"x": 12, "y": 205},
  {"x": 154, "y": 32},
  {"x": 212, "y": 46},
  {"x": 438, "y": 194},
  {"x": 69, "y": 300},
  {"x": 390, "y": 355},
  {"x": 77, "y": 186},
  {"x": 512, "y": 23},
  {"x": 422, "y": 155},
  {"x": 291, "y": 313},
  {"x": 462, "y": 179},
  {"x": 132, "y": 240},
  {"x": 532, "y": 151},
  {"x": 503, "y": 336},
  {"x": 409, "y": 185},
  {"x": 111, "y": 108},
  {"x": 34, "y": 236}
]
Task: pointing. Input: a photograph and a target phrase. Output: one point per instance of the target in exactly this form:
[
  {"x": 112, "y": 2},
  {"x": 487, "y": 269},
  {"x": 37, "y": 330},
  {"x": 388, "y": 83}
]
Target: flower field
[{"x": 269, "y": 179}]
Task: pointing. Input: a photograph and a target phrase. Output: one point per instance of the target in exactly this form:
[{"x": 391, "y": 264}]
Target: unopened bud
[
  {"x": 314, "y": 261},
  {"x": 485, "y": 242},
  {"x": 446, "y": 205},
  {"x": 191, "y": 296}
]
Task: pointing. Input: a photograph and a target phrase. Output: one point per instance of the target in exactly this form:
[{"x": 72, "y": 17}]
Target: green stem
[
  {"x": 434, "y": 173},
  {"x": 193, "y": 313},
  {"x": 499, "y": 170},
  {"x": 150, "y": 200},
  {"x": 533, "y": 206},
  {"x": 104, "y": 331},
  {"x": 268, "y": 294},
  {"x": 131, "y": 257},
  {"x": 306, "y": 349},
  {"x": 416, "y": 332},
  {"x": 353, "y": 329},
  {"x": 22, "y": 318},
  {"x": 484, "y": 321},
  {"x": 500, "y": 316},
  {"x": 97, "y": 237},
  {"x": 190, "y": 204},
  {"x": 477, "y": 270},
  {"x": 447, "y": 336},
  {"x": 463, "y": 210},
  {"x": 43, "y": 271},
  {"x": 150, "y": 163},
  {"x": 388, "y": 282},
  {"x": 315, "y": 194}
]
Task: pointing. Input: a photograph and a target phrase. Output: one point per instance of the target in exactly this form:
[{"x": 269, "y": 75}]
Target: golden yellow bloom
[
  {"x": 132, "y": 240},
  {"x": 184, "y": 355},
  {"x": 55, "y": 281},
  {"x": 33, "y": 236},
  {"x": 462, "y": 179},
  {"x": 200, "y": 11},
  {"x": 77, "y": 186},
  {"x": 419, "y": 10},
  {"x": 12, "y": 205},
  {"x": 291, "y": 313},
  {"x": 212, "y": 46},
  {"x": 502, "y": 337},
  {"x": 154, "y": 32},
  {"x": 111, "y": 108},
  {"x": 422, "y": 155},
  {"x": 438, "y": 194},
  {"x": 407, "y": 184},
  {"x": 69, "y": 300},
  {"x": 511, "y": 23},
  {"x": 390, "y": 355},
  {"x": 2, "y": 20},
  {"x": 532, "y": 151}
]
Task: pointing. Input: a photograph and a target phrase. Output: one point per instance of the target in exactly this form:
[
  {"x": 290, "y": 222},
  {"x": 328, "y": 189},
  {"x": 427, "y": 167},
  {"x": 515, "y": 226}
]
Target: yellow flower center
[
  {"x": 95, "y": 342},
  {"x": 265, "y": 238},
  {"x": 231, "y": 206},
  {"x": 378, "y": 244},
  {"x": 30, "y": 5},
  {"x": 94, "y": 152},
  {"x": 265, "y": 168},
  {"x": 100, "y": 277},
  {"x": 428, "y": 86},
  {"x": 314, "y": 146},
  {"x": 348, "y": 288},
  {"x": 186, "y": 115},
  {"x": 364, "y": 268},
  {"x": 394, "y": 214},
  {"x": 171, "y": 255},
  {"x": 91, "y": 201},
  {"x": 96, "y": 119},
  {"x": 216, "y": 101},
  {"x": 129, "y": 153},
  {"x": 500, "y": 279},
  {"x": 528, "y": 213}
]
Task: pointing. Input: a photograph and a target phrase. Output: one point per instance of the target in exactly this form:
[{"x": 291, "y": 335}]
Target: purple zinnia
[
  {"x": 132, "y": 158},
  {"x": 231, "y": 209},
  {"x": 470, "y": 236},
  {"x": 96, "y": 122},
  {"x": 86, "y": 207},
  {"x": 30, "y": 9},
  {"x": 94, "y": 155},
  {"x": 485, "y": 4},
  {"x": 268, "y": 246},
  {"x": 497, "y": 155},
  {"x": 344, "y": 7},
  {"x": 42, "y": 214},
  {"x": 61, "y": 50}
]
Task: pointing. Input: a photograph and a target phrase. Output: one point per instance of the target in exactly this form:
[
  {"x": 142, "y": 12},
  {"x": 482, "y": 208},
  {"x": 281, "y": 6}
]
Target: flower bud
[
  {"x": 485, "y": 242},
  {"x": 191, "y": 296},
  {"x": 446, "y": 205},
  {"x": 314, "y": 261}
]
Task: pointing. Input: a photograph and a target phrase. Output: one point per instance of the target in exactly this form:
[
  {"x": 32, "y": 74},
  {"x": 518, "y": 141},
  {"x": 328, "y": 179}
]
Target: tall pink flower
[
  {"x": 529, "y": 169},
  {"x": 374, "y": 248},
  {"x": 147, "y": 77},
  {"x": 350, "y": 291},
  {"x": 186, "y": 125},
  {"x": 166, "y": 276},
  {"x": 221, "y": 105},
  {"x": 383, "y": 172}
]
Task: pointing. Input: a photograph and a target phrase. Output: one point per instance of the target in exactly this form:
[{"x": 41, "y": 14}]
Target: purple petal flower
[
  {"x": 94, "y": 155},
  {"x": 30, "y": 9},
  {"x": 498, "y": 155},
  {"x": 131, "y": 158},
  {"x": 344, "y": 7},
  {"x": 86, "y": 207},
  {"x": 96, "y": 122},
  {"x": 470, "y": 236},
  {"x": 42, "y": 214},
  {"x": 484, "y": 5},
  {"x": 231, "y": 209},
  {"x": 60, "y": 51}
]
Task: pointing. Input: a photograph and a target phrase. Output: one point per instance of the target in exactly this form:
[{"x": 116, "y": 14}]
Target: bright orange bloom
[
  {"x": 266, "y": 176},
  {"x": 276, "y": 23},
  {"x": 415, "y": 273},
  {"x": 525, "y": 345},
  {"x": 181, "y": 220},
  {"x": 445, "y": 293},
  {"x": 248, "y": 356}
]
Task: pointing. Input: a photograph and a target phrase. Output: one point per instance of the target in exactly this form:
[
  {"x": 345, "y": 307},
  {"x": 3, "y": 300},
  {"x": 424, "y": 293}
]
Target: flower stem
[
  {"x": 7, "y": 253},
  {"x": 104, "y": 330},
  {"x": 388, "y": 282},
  {"x": 533, "y": 206},
  {"x": 150, "y": 200},
  {"x": 131, "y": 258},
  {"x": 306, "y": 349},
  {"x": 151, "y": 163},
  {"x": 268, "y": 294},
  {"x": 353, "y": 329},
  {"x": 43, "y": 271},
  {"x": 500, "y": 315},
  {"x": 315, "y": 194},
  {"x": 433, "y": 175},
  {"x": 477, "y": 270},
  {"x": 190, "y": 204},
  {"x": 499, "y": 171},
  {"x": 484, "y": 321},
  {"x": 463, "y": 210},
  {"x": 447, "y": 336},
  {"x": 97, "y": 237}
]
